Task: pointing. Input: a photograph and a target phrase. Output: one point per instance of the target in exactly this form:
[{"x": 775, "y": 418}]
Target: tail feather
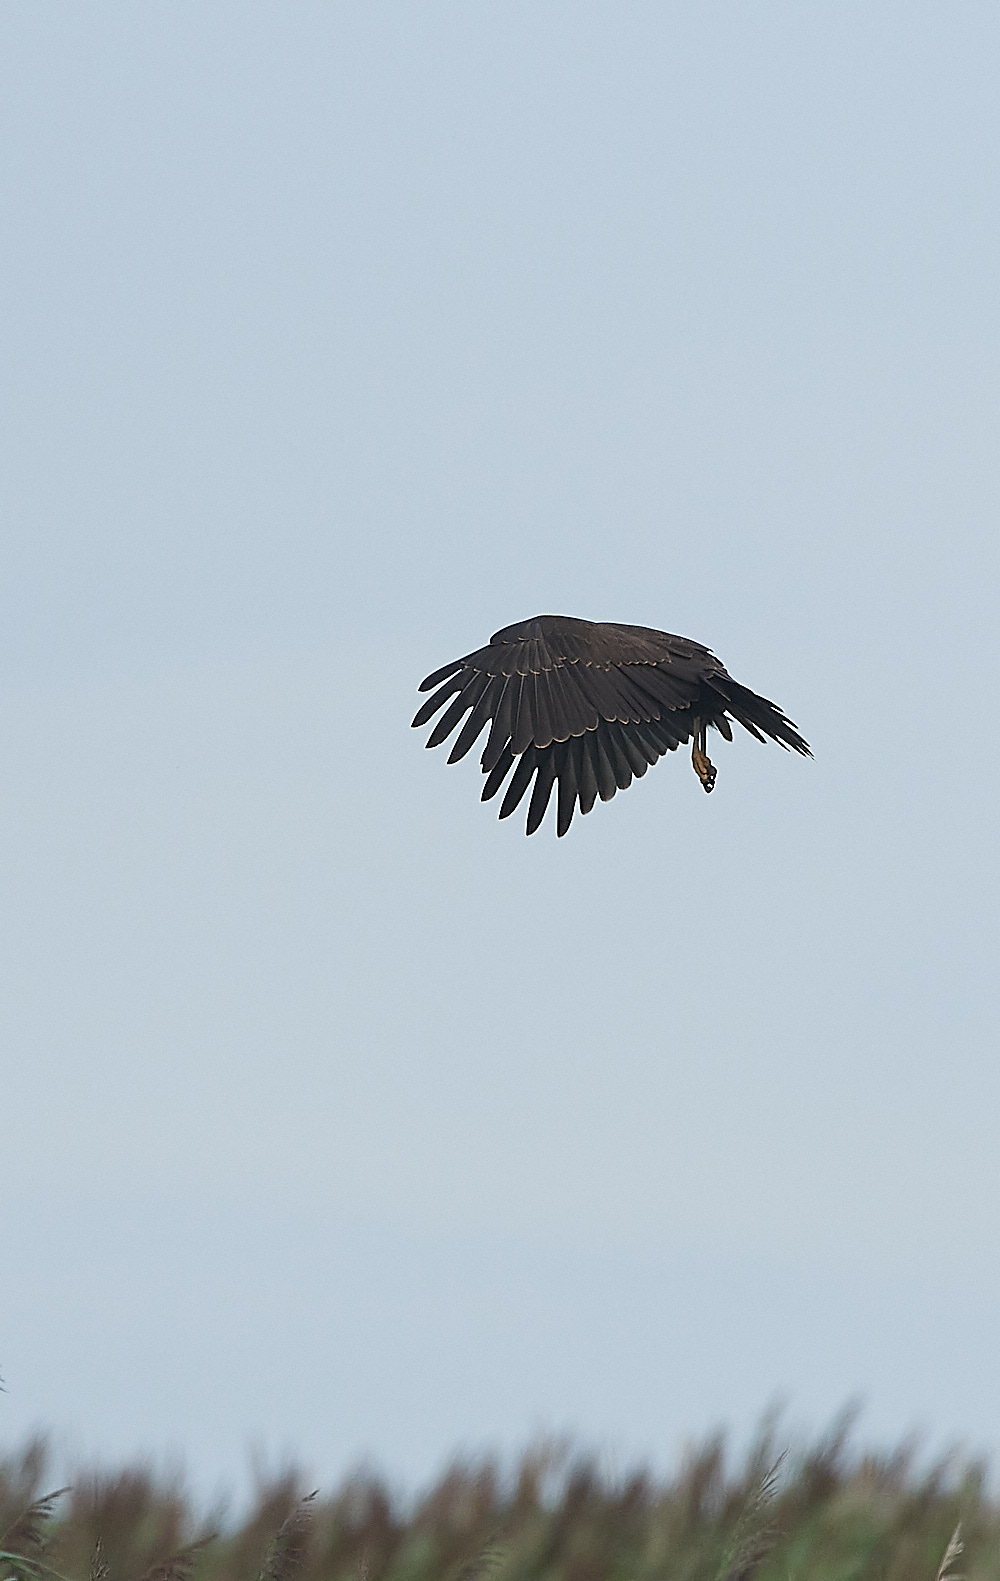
[{"x": 758, "y": 715}]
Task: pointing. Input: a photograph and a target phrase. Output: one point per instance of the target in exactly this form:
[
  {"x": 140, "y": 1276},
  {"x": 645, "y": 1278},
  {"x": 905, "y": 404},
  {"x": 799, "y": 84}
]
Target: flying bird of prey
[{"x": 589, "y": 704}]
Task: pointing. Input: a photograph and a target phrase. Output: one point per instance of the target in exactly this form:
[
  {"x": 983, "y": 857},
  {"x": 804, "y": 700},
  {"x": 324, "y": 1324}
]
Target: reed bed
[{"x": 826, "y": 1512}]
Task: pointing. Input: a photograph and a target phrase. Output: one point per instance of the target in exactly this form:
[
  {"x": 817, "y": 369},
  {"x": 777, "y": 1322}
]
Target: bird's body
[{"x": 590, "y": 705}]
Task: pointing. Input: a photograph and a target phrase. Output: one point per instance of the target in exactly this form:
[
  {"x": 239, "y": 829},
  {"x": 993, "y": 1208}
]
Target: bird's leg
[{"x": 700, "y": 761}]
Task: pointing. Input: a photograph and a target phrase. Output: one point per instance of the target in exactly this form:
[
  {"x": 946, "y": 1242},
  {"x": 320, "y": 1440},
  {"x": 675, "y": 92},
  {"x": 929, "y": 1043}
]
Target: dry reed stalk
[
  {"x": 99, "y": 1567},
  {"x": 179, "y": 1566},
  {"x": 955, "y": 1548},
  {"x": 28, "y": 1530},
  {"x": 286, "y": 1550},
  {"x": 754, "y": 1536},
  {"x": 482, "y": 1564}
]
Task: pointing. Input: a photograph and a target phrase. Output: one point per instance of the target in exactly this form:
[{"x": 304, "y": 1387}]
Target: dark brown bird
[{"x": 589, "y": 704}]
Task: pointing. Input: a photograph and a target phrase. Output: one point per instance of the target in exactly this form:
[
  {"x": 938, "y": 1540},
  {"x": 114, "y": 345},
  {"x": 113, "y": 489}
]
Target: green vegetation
[{"x": 826, "y": 1513}]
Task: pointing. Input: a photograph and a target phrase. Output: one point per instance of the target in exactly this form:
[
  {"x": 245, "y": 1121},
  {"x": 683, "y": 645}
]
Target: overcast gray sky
[{"x": 339, "y": 1118}]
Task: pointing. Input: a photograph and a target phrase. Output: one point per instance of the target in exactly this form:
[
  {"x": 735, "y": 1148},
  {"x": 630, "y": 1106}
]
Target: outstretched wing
[{"x": 587, "y": 705}]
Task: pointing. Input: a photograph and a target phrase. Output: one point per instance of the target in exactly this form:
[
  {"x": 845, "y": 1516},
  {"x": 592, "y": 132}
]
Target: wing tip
[{"x": 440, "y": 675}]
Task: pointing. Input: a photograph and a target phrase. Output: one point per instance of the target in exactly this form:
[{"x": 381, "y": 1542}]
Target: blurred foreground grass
[{"x": 826, "y": 1513}]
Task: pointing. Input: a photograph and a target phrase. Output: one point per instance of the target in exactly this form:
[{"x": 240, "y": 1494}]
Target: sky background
[{"x": 340, "y": 1120}]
